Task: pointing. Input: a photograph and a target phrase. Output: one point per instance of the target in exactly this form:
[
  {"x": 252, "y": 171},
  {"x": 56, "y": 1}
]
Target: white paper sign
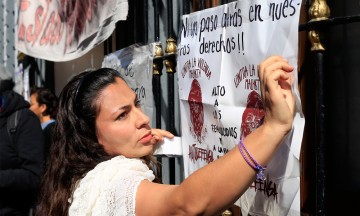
[
  {"x": 135, "y": 65},
  {"x": 169, "y": 147},
  {"x": 220, "y": 101}
]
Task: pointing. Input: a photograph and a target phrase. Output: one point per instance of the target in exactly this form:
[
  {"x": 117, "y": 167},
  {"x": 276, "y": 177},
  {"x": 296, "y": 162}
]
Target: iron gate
[{"x": 312, "y": 75}]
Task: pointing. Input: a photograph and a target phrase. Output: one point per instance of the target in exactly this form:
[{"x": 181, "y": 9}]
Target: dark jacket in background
[
  {"x": 21, "y": 162},
  {"x": 48, "y": 131}
]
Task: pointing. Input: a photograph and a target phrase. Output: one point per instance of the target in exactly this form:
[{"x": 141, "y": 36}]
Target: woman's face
[{"x": 122, "y": 127}]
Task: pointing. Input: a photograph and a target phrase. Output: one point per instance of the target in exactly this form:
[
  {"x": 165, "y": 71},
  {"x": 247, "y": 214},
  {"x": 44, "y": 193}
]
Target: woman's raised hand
[
  {"x": 276, "y": 80},
  {"x": 159, "y": 134}
]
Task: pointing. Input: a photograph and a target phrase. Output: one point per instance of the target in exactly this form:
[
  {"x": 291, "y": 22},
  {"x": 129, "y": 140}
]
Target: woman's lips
[{"x": 146, "y": 139}]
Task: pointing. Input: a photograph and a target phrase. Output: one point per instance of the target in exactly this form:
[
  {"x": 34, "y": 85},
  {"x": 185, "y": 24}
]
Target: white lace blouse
[{"x": 110, "y": 188}]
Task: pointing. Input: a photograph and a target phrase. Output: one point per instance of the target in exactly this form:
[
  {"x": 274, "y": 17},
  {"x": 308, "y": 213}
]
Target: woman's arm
[{"x": 216, "y": 186}]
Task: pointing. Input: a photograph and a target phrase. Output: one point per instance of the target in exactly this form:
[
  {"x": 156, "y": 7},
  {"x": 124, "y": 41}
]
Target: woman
[
  {"x": 101, "y": 161},
  {"x": 44, "y": 104}
]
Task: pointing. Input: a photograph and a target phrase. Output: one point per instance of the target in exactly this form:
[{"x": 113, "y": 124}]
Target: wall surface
[
  {"x": 64, "y": 71},
  {"x": 8, "y": 55}
]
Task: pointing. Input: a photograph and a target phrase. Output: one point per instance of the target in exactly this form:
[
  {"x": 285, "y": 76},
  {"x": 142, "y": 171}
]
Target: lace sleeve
[
  {"x": 110, "y": 188},
  {"x": 123, "y": 195}
]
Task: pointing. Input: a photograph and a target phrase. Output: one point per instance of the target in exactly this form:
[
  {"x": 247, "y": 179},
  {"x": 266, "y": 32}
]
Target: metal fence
[{"x": 158, "y": 21}]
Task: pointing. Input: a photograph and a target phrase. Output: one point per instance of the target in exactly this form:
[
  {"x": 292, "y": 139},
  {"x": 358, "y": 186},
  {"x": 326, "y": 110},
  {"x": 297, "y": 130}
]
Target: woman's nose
[{"x": 142, "y": 118}]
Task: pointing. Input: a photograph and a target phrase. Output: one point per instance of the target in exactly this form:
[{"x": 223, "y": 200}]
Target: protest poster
[
  {"x": 219, "y": 50},
  {"x": 65, "y": 30},
  {"x": 134, "y": 63}
]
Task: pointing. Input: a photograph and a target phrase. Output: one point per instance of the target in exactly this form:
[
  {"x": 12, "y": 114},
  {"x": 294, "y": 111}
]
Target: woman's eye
[{"x": 121, "y": 116}]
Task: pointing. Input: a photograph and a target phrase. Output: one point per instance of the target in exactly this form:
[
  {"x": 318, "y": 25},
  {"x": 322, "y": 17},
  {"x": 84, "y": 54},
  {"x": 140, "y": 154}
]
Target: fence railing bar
[
  {"x": 170, "y": 19},
  {"x": 329, "y": 22},
  {"x": 321, "y": 134},
  {"x": 157, "y": 71},
  {"x": 133, "y": 8},
  {"x": 186, "y": 7},
  {"x": 156, "y": 20},
  {"x": 169, "y": 60},
  {"x": 202, "y": 4},
  {"x": 144, "y": 24}
]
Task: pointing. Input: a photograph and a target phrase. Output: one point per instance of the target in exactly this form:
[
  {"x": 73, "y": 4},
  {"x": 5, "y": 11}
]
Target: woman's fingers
[
  {"x": 162, "y": 133},
  {"x": 159, "y": 134},
  {"x": 276, "y": 82},
  {"x": 274, "y": 73},
  {"x": 279, "y": 89},
  {"x": 267, "y": 66}
]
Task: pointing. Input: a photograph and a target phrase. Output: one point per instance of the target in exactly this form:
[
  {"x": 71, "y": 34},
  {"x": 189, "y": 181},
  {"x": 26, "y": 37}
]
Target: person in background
[
  {"x": 21, "y": 151},
  {"x": 44, "y": 103},
  {"x": 101, "y": 160}
]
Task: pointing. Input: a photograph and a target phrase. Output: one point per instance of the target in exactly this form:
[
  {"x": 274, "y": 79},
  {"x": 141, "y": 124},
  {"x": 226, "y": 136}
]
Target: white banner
[
  {"x": 65, "y": 30},
  {"x": 218, "y": 53},
  {"x": 135, "y": 65}
]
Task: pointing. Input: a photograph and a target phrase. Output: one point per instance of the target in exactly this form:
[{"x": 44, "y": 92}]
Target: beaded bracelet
[{"x": 253, "y": 163}]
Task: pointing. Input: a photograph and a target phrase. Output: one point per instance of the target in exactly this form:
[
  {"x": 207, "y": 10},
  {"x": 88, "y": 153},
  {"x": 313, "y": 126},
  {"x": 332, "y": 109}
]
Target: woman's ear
[{"x": 43, "y": 107}]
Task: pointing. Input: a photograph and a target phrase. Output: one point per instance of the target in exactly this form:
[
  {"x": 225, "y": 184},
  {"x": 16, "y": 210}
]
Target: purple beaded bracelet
[{"x": 252, "y": 162}]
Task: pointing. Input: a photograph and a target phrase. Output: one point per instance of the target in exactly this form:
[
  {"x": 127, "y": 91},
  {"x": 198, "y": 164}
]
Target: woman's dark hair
[
  {"x": 47, "y": 97},
  {"x": 75, "y": 149},
  {"x": 6, "y": 85}
]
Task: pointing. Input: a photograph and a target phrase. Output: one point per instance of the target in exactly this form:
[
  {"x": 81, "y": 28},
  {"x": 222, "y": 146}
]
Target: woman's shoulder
[
  {"x": 118, "y": 167},
  {"x": 121, "y": 162},
  {"x": 114, "y": 179}
]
